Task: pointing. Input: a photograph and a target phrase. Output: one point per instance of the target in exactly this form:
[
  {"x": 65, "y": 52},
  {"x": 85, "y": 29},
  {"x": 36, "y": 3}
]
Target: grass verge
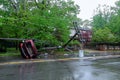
[{"x": 10, "y": 52}]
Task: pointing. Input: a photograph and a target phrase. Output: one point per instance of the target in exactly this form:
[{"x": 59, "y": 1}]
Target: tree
[
  {"x": 114, "y": 23},
  {"x": 46, "y": 20},
  {"x": 103, "y": 35},
  {"x": 86, "y": 24},
  {"x": 108, "y": 17},
  {"x": 102, "y": 16}
]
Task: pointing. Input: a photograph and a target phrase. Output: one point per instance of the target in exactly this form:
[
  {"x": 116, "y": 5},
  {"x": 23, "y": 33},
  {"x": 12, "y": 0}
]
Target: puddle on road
[
  {"x": 104, "y": 69},
  {"x": 63, "y": 70}
]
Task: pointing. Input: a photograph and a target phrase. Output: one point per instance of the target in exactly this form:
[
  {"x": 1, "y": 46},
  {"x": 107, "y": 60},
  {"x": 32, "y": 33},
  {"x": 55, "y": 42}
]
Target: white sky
[{"x": 87, "y": 7}]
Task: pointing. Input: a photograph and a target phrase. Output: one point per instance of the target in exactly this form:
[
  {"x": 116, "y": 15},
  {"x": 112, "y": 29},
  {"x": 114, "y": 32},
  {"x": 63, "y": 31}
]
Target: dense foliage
[
  {"x": 45, "y": 20},
  {"x": 106, "y": 24}
]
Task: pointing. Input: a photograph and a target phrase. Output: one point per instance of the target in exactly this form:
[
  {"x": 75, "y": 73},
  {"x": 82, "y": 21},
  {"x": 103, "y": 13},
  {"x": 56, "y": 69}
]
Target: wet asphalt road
[{"x": 104, "y": 69}]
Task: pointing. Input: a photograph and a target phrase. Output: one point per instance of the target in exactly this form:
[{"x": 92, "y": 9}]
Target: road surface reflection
[{"x": 105, "y": 69}]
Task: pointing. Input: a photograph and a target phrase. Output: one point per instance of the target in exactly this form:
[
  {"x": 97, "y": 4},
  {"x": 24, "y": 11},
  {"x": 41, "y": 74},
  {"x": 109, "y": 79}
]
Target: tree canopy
[
  {"x": 106, "y": 23},
  {"x": 46, "y": 20}
]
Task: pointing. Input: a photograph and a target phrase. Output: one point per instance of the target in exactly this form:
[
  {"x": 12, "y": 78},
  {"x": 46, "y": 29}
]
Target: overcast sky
[{"x": 87, "y": 7}]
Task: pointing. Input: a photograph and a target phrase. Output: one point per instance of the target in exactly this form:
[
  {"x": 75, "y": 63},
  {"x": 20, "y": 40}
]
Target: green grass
[{"x": 10, "y": 52}]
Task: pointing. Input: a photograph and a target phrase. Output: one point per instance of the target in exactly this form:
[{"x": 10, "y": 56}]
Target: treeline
[
  {"x": 106, "y": 24},
  {"x": 46, "y": 20},
  {"x": 50, "y": 20}
]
